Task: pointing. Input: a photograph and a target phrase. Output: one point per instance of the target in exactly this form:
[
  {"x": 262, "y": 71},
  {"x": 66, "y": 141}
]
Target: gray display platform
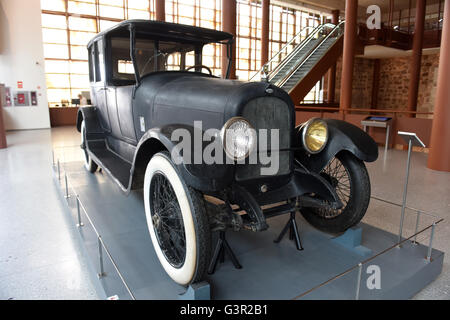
[{"x": 270, "y": 271}]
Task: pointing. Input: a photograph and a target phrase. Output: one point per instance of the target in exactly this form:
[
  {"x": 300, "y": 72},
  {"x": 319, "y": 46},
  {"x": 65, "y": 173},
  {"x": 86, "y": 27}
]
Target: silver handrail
[
  {"x": 283, "y": 49},
  {"x": 289, "y": 56},
  {"x": 313, "y": 50}
]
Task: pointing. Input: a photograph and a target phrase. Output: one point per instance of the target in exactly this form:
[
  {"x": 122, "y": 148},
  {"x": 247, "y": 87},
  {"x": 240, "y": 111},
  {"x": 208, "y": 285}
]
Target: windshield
[{"x": 151, "y": 56}]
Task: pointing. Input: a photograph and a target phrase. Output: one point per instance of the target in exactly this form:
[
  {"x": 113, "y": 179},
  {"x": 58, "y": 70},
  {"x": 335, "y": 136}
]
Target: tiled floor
[{"x": 40, "y": 253}]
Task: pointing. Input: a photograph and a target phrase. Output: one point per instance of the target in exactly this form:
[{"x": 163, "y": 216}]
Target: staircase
[{"x": 304, "y": 60}]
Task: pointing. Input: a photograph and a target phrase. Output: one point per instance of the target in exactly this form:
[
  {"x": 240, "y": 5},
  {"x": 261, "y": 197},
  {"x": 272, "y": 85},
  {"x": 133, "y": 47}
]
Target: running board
[{"x": 116, "y": 167}]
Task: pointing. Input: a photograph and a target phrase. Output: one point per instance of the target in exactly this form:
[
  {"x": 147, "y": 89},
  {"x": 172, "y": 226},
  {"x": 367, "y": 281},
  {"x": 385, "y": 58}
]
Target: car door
[{"x": 99, "y": 89}]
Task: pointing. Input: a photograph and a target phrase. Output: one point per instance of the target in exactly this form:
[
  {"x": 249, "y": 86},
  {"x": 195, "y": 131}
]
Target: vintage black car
[{"x": 148, "y": 83}]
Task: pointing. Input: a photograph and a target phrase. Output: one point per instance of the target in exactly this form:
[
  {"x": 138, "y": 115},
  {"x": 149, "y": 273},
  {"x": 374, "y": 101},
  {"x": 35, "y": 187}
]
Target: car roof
[{"x": 174, "y": 31}]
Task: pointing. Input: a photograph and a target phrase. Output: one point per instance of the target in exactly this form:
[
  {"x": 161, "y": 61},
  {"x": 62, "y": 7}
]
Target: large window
[
  {"x": 67, "y": 26},
  {"x": 200, "y": 13}
]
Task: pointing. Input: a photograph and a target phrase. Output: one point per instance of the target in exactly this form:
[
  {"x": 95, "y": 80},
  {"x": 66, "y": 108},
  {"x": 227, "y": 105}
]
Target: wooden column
[
  {"x": 416, "y": 55},
  {"x": 348, "y": 56},
  {"x": 331, "y": 87},
  {"x": 160, "y": 10},
  {"x": 2, "y": 126},
  {"x": 265, "y": 32},
  {"x": 229, "y": 25},
  {"x": 375, "y": 84},
  {"x": 439, "y": 157}
]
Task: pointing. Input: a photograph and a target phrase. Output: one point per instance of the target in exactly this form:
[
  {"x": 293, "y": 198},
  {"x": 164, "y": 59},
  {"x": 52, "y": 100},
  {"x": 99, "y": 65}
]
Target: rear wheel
[
  {"x": 90, "y": 165},
  {"x": 348, "y": 175},
  {"x": 177, "y": 221}
]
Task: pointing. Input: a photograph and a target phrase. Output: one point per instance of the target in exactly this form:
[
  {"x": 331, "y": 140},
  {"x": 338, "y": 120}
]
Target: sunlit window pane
[
  {"x": 81, "y": 8},
  {"x": 53, "y": 5},
  {"x": 111, "y": 12},
  {"x": 54, "y": 36},
  {"x": 80, "y": 67},
  {"x": 139, "y": 4},
  {"x": 138, "y": 14},
  {"x": 79, "y": 81},
  {"x": 54, "y": 21},
  {"x": 56, "y": 66},
  {"x": 81, "y": 38},
  {"x": 82, "y": 24},
  {"x": 79, "y": 52},
  {"x": 56, "y": 51},
  {"x": 106, "y": 24},
  {"x": 57, "y": 80}
]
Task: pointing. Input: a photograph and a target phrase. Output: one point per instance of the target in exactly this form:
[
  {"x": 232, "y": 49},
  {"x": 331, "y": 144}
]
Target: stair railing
[
  {"x": 289, "y": 55},
  {"x": 337, "y": 28}
]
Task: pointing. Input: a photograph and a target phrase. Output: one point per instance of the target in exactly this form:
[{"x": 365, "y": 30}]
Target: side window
[
  {"x": 121, "y": 64},
  {"x": 91, "y": 64},
  {"x": 98, "y": 59}
]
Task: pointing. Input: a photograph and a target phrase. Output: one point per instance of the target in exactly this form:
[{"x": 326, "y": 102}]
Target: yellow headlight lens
[{"x": 315, "y": 135}]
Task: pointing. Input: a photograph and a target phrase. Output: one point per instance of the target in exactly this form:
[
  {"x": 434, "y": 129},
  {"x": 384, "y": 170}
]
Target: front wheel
[
  {"x": 177, "y": 221},
  {"x": 348, "y": 175}
]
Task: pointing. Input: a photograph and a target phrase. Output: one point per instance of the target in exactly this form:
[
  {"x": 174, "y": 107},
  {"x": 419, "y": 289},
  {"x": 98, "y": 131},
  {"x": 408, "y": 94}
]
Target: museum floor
[{"x": 40, "y": 251}]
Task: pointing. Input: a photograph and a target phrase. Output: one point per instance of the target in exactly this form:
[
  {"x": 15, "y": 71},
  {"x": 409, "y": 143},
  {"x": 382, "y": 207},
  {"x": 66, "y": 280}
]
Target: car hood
[{"x": 182, "y": 97}]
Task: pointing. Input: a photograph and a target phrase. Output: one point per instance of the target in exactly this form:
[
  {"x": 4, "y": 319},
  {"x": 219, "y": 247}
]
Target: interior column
[
  {"x": 439, "y": 157},
  {"x": 375, "y": 83},
  {"x": 348, "y": 56},
  {"x": 331, "y": 87},
  {"x": 265, "y": 32},
  {"x": 160, "y": 10},
  {"x": 229, "y": 25},
  {"x": 416, "y": 56}
]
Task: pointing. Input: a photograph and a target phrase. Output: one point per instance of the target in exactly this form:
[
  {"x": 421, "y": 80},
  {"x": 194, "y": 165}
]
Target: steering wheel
[{"x": 201, "y": 66}]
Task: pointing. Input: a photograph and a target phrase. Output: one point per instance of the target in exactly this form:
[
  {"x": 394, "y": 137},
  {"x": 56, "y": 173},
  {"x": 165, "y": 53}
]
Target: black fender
[
  {"x": 203, "y": 177},
  {"x": 91, "y": 120},
  {"x": 341, "y": 136}
]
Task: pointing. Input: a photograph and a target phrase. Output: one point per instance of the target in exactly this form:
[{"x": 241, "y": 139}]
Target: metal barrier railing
[
  {"x": 81, "y": 208},
  {"x": 397, "y": 244},
  {"x": 102, "y": 246}
]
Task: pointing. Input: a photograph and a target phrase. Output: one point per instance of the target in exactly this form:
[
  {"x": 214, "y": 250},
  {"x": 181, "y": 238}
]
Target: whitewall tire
[
  {"x": 89, "y": 164},
  {"x": 177, "y": 221}
]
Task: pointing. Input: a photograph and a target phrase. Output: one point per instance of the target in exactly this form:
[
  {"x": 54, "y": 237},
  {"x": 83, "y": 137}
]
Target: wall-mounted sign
[{"x": 19, "y": 84}]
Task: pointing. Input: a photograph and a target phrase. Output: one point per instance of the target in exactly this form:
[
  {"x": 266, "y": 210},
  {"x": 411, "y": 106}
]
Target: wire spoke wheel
[
  {"x": 348, "y": 176},
  {"x": 167, "y": 220},
  {"x": 339, "y": 177},
  {"x": 177, "y": 221}
]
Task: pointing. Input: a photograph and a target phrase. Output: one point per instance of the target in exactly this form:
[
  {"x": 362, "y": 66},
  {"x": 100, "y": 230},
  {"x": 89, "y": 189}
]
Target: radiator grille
[{"x": 268, "y": 113}]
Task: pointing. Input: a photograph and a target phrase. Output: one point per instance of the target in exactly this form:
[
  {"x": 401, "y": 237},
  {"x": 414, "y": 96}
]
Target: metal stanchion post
[
  {"x": 417, "y": 227},
  {"x": 59, "y": 171},
  {"x": 405, "y": 191},
  {"x": 100, "y": 256},
  {"x": 79, "y": 224},
  {"x": 430, "y": 247},
  {"x": 53, "y": 158},
  {"x": 358, "y": 284},
  {"x": 67, "y": 186}
]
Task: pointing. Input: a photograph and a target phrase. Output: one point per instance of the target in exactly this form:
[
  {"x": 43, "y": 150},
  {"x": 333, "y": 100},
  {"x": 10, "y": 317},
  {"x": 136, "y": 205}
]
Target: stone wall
[{"x": 394, "y": 83}]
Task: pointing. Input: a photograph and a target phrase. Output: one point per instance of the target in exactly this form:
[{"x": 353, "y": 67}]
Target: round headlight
[
  {"x": 315, "y": 135},
  {"x": 238, "y": 138}
]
